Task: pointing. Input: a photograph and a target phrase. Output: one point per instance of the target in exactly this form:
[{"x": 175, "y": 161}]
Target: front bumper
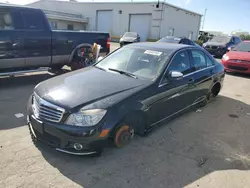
[
  {"x": 63, "y": 137},
  {"x": 237, "y": 67}
]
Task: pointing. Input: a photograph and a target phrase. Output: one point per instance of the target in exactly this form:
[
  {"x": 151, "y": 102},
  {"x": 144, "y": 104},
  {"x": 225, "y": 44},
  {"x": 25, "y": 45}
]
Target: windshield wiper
[
  {"x": 124, "y": 72},
  {"x": 100, "y": 68}
]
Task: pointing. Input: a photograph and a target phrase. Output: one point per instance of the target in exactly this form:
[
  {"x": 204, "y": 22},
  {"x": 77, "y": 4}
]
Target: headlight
[
  {"x": 225, "y": 57},
  {"x": 86, "y": 118},
  {"x": 222, "y": 46}
]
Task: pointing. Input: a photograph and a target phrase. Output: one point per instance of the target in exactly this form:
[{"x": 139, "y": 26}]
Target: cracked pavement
[{"x": 205, "y": 148}]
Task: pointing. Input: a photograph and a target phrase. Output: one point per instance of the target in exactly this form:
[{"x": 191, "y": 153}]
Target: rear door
[
  {"x": 11, "y": 39},
  {"x": 37, "y": 41},
  {"x": 203, "y": 75}
]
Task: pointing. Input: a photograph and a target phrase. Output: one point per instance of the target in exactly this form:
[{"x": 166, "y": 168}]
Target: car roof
[
  {"x": 173, "y": 37},
  {"x": 8, "y": 5},
  {"x": 161, "y": 46}
]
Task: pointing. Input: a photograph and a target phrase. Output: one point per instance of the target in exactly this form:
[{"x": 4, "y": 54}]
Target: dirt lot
[{"x": 205, "y": 148}]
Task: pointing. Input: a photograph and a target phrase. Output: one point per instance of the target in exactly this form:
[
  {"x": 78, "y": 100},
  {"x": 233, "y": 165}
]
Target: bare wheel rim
[{"x": 123, "y": 136}]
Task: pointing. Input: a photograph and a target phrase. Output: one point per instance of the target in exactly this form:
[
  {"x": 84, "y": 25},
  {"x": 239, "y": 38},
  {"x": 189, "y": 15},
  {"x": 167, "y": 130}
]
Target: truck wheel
[
  {"x": 76, "y": 65},
  {"x": 56, "y": 68}
]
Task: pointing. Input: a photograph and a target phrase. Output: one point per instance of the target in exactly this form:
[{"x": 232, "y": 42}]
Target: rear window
[
  {"x": 170, "y": 40},
  {"x": 33, "y": 20}
]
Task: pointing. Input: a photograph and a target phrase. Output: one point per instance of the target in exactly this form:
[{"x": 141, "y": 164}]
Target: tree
[{"x": 245, "y": 37}]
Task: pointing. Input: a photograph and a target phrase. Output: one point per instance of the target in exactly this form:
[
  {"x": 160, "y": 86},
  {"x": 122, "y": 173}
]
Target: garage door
[
  {"x": 140, "y": 23},
  {"x": 105, "y": 20}
]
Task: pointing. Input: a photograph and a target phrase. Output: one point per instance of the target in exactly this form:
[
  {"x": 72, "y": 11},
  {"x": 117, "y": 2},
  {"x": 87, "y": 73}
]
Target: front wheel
[{"x": 123, "y": 135}]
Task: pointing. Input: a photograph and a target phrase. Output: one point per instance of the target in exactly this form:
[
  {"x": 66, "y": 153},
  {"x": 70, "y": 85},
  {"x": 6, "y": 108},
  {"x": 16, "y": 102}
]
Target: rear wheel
[
  {"x": 216, "y": 89},
  {"x": 83, "y": 57},
  {"x": 56, "y": 67},
  {"x": 212, "y": 94}
]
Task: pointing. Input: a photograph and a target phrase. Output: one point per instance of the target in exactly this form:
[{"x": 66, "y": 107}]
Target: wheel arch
[
  {"x": 71, "y": 57},
  {"x": 216, "y": 88},
  {"x": 136, "y": 118}
]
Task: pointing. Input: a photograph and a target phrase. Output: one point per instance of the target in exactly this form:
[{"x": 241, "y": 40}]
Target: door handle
[
  {"x": 211, "y": 71},
  {"x": 191, "y": 81},
  {"x": 16, "y": 44}
]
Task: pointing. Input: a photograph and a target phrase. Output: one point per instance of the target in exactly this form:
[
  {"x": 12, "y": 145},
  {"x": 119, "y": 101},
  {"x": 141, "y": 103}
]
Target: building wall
[
  {"x": 161, "y": 20},
  {"x": 181, "y": 22},
  {"x": 63, "y": 25},
  {"x": 238, "y": 33}
]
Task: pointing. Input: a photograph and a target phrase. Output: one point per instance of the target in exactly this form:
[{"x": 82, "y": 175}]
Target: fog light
[{"x": 78, "y": 146}]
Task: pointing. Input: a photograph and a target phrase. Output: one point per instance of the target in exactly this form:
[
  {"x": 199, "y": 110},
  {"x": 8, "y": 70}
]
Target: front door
[{"x": 174, "y": 95}]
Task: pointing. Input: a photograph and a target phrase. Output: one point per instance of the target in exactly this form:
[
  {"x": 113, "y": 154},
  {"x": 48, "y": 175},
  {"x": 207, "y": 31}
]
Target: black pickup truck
[{"x": 27, "y": 41}]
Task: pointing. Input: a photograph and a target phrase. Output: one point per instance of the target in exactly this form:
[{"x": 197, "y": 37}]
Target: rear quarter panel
[{"x": 64, "y": 42}]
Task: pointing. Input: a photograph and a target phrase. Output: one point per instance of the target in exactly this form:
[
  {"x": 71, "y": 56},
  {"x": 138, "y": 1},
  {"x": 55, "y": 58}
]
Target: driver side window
[{"x": 180, "y": 63}]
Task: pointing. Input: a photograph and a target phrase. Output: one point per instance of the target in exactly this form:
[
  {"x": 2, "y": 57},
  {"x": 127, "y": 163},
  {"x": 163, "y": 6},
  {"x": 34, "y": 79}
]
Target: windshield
[
  {"x": 242, "y": 47},
  {"x": 130, "y": 34},
  {"x": 221, "y": 39},
  {"x": 145, "y": 64},
  {"x": 170, "y": 40}
]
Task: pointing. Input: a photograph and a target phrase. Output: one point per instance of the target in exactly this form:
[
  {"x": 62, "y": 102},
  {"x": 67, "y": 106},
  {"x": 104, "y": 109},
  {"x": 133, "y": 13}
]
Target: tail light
[{"x": 108, "y": 43}]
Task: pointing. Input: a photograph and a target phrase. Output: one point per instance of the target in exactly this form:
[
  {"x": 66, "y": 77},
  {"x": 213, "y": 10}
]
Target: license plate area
[{"x": 36, "y": 125}]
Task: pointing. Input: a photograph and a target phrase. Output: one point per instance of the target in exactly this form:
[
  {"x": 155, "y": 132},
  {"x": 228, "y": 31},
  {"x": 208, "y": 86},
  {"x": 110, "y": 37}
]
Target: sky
[{"x": 222, "y": 15}]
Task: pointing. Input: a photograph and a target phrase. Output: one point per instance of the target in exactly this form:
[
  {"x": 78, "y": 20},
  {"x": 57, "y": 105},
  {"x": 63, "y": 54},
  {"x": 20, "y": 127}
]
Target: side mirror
[
  {"x": 175, "y": 75},
  {"x": 230, "y": 48},
  {"x": 100, "y": 58}
]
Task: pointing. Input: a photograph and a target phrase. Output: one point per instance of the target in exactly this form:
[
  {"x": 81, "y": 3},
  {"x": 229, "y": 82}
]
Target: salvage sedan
[{"x": 127, "y": 92}]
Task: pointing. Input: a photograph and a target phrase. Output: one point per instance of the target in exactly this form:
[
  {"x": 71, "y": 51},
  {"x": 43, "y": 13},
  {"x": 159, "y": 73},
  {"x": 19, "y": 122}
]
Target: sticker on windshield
[{"x": 151, "y": 52}]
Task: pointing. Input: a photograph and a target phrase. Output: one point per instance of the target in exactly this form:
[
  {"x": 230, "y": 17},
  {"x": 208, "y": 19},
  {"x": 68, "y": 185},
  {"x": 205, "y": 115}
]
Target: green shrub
[
  {"x": 245, "y": 37},
  {"x": 152, "y": 40},
  {"x": 200, "y": 42}
]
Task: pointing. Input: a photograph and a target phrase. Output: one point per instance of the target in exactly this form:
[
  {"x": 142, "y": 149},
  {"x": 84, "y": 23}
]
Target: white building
[
  {"x": 239, "y": 32},
  {"x": 148, "y": 19}
]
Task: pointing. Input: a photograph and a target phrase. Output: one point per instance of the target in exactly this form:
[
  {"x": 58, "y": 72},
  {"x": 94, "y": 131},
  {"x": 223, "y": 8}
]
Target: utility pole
[{"x": 204, "y": 17}]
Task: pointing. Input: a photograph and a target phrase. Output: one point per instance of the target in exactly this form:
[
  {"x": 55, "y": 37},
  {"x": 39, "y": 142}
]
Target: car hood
[
  {"x": 128, "y": 39},
  {"x": 215, "y": 43},
  {"x": 239, "y": 55},
  {"x": 86, "y": 86}
]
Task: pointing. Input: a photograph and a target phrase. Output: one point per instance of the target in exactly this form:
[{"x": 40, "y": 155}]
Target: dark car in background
[
  {"x": 129, "y": 91},
  {"x": 129, "y": 37},
  {"x": 178, "y": 40},
  {"x": 219, "y": 45},
  {"x": 238, "y": 58},
  {"x": 27, "y": 41}
]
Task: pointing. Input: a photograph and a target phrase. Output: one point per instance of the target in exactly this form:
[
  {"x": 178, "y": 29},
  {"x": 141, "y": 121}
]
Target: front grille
[
  {"x": 212, "y": 47},
  {"x": 45, "y": 110},
  {"x": 238, "y": 68},
  {"x": 238, "y": 61}
]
